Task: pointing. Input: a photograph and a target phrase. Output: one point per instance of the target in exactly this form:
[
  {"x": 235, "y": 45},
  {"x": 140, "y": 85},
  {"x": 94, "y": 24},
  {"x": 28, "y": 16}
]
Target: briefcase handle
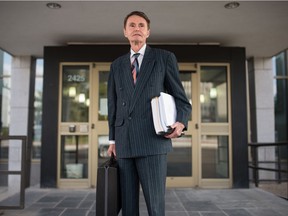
[
  {"x": 112, "y": 158},
  {"x": 111, "y": 162}
]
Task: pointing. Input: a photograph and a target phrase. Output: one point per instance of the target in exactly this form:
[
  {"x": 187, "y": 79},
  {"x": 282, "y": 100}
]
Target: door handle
[{"x": 92, "y": 126}]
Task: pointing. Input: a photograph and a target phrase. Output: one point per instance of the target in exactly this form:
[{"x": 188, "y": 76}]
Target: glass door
[
  {"x": 74, "y": 125},
  {"x": 100, "y": 117},
  {"x": 83, "y": 127},
  {"x": 182, "y": 162},
  {"x": 215, "y": 126}
]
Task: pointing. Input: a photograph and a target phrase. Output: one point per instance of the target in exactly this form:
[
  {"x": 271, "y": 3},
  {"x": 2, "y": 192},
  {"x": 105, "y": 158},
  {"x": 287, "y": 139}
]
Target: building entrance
[{"x": 202, "y": 157}]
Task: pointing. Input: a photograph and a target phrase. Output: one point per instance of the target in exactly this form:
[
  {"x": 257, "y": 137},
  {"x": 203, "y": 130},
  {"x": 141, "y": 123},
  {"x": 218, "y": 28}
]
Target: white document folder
[{"x": 164, "y": 113}]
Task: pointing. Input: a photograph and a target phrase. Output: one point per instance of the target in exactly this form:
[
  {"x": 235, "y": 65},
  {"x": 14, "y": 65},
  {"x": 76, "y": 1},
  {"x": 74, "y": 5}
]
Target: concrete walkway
[{"x": 179, "y": 202}]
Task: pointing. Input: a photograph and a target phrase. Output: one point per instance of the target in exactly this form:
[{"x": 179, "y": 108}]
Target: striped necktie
[{"x": 135, "y": 67}]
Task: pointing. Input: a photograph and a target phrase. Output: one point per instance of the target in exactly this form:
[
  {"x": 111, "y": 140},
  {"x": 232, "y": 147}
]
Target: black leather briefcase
[{"x": 108, "y": 197}]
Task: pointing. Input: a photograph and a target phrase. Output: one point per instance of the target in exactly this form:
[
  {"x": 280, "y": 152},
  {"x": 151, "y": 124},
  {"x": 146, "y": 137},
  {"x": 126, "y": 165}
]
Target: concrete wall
[
  {"x": 263, "y": 110},
  {"x": 21, "y": 112}
]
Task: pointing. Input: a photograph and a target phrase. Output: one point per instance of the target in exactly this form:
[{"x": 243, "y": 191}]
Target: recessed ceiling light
[
  {"x": 53, "y": 5},
  {"x": 232, "y": 5}
]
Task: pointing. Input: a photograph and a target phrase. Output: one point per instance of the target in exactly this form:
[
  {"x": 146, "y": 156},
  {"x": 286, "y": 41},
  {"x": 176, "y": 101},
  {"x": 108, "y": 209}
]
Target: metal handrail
[
  {"x": 255, "y": 162},
  {"x": 20, "y": 172},
  {"x": 254, "y": 144}
]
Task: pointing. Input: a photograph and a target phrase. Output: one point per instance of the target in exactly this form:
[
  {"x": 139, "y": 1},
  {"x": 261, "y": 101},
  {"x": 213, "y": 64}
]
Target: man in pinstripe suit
[{"x": 141, "y": 154}]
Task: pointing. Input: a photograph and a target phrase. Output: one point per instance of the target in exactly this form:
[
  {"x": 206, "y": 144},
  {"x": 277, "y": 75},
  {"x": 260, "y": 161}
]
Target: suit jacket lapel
[
  {"x": 143, "y": 77},
  {"x": 127, "y": 75}
]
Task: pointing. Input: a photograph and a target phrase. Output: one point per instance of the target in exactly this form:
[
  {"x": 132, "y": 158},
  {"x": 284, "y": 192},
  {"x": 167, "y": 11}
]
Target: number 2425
[{"x": 75, "y": 78}]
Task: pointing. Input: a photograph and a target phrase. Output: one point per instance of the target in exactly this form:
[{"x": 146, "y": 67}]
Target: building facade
[
  {"x": 232, "y": 104},
  {"x": 75, "y": 129}
]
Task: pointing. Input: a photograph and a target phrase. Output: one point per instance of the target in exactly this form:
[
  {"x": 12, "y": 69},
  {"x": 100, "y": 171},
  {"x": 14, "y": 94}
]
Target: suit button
[
  {"x": 123, "y": 104},
  {"x": 130, "y": 118}
]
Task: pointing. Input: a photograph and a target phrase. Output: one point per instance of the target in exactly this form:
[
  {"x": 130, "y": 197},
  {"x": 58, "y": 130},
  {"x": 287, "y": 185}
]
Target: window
[
  {"x": 280, "y": 101},
  {"x": 5, "y": 95},
  {"x": 75, "y": 93},
  {"x": 74, "y": 156},
  {"x": 215, "y": 156},
  {"x": 213, "y": 96},
  {"x": 5, "y": 91},
  {"x": 103, "y": 109},
  {"x": 280, "y": 96},
  {"x": 36, "y": 149}
]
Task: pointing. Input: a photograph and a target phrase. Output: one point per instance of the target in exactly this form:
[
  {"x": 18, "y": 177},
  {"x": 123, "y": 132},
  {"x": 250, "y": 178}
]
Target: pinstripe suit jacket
[{"x": 129, "y": 108}]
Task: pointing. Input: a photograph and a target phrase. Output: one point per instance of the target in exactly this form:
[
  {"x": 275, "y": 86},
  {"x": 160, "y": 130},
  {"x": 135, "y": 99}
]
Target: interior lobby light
[
  {"x": 202, "y": 98},
  {"x": 53, "y": 5},
  {"x": 213, "y": 93},
  {"x": 87, "y": 102},
  {"x": 82, "y": 98},
  {"x": 72, "y": 92},
  {"x": 232, "y": 5}
]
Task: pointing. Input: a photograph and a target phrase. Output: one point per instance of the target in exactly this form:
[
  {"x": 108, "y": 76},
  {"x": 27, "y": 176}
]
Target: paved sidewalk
[{"x": 179, "y": 202}]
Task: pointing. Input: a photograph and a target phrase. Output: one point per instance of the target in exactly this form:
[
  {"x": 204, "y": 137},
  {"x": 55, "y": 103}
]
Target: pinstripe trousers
[{"x": 150, "y": 172}]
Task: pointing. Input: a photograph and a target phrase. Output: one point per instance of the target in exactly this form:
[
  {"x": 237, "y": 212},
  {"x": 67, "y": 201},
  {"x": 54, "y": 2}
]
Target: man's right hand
[{"x": 111, "y": 150}]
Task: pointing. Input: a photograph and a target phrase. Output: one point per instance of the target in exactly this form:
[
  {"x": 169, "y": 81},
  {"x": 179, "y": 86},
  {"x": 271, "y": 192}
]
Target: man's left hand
[{"x": 177, "y": 130}]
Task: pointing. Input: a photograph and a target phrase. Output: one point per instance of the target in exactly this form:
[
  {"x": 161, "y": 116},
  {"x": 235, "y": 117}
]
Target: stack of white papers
[{"x": 164, "y": 113}]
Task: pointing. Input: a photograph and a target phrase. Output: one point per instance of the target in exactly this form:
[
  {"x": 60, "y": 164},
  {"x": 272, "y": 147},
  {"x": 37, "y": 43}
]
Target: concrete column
[
  {"x": 20, "y": 107},
  {"x": 263, "y": 72}
]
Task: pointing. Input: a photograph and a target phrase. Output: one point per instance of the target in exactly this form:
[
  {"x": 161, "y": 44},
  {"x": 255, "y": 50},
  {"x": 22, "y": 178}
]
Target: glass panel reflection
[
  {"x": 215, "y": 156},
  {"x": 213, "y": 95},
  {"x": 5, "y": 92},
  {"x": 4, "y": 149},
  {"x": 180, "y": 160},
  {"x": 74, "y": 156},
  {"x": 75, "y": 94},
  {"x": 37, "y": 127},
  {"x": 102, "y": 103},
  {"x": 186, "y": 79},
  {"x": 103, "y": 145}
]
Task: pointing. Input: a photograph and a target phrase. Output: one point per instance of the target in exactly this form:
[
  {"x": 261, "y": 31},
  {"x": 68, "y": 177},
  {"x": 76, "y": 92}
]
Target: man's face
[{"x": 136, "y": 29}]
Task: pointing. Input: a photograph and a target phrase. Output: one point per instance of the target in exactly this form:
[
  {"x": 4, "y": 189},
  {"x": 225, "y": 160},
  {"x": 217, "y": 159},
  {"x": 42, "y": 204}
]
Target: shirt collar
[{"x": 141, "y": 51}]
